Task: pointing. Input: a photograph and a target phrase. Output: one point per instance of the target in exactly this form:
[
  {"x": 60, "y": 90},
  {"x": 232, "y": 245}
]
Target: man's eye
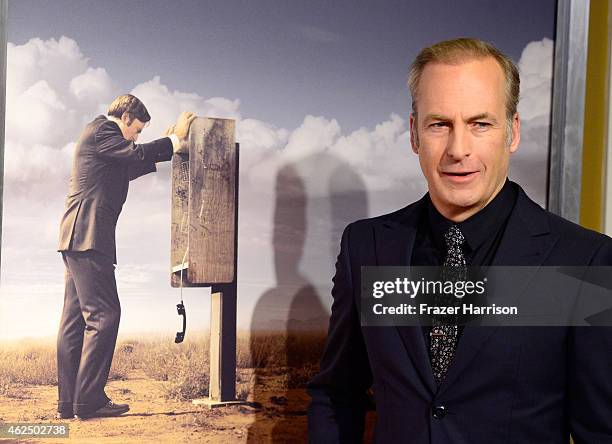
[
  {"x": 482, "y": 125},
  {"x": 438, "y": 125}
]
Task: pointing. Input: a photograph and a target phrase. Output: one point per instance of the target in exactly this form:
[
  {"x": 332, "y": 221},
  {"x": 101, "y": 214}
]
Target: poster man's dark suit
[
  {"x": 104, "y": 163},
  {"x": 505, "y": 384}
]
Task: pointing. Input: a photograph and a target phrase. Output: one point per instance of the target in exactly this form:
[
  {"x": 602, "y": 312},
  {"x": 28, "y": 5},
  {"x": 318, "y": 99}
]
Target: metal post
[
  {"x": 216, "y": 347},
  {"x": 3, "y": 41},
  {"x": 565, "y": 162},
  {"x": 222, "y": 387}
]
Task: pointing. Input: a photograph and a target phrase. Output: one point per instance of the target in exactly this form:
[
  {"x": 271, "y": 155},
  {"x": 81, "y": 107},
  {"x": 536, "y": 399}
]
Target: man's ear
[
  {"x": 414, "y": 136},
  {"x": 516, "y": 133},
  {"x": 126, "y": 118}
]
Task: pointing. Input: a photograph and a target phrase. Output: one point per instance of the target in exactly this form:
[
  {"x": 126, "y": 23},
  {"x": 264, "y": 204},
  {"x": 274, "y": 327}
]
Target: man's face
[
  {"x": 460, "y": 134},
  {"x": 131, "y": 128}
]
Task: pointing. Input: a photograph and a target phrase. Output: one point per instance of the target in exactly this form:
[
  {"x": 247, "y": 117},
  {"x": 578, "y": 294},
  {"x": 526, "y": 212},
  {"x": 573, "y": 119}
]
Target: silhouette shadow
[{"x": 292, "y": 310}]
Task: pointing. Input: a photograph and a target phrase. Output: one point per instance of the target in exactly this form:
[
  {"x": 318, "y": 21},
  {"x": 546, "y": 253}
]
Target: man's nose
[{"x": 458, "y": 145}]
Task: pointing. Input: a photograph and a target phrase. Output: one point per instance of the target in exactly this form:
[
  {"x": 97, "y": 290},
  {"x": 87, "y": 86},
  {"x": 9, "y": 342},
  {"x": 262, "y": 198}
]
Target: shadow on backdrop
[{"x": 291, "y": 314}]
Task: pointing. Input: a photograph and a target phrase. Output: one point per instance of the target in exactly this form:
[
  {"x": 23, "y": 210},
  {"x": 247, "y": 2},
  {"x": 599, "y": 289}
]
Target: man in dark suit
[
  {"x": 447, "y": 383},
  {"x": 106, "y": 158}
]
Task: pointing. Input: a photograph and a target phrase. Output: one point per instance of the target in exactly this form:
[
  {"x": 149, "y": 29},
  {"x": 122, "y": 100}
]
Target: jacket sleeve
[
  {"x": 111, "y": 145},
  {"x": 590, "y": 374},
  {"x": 336, "y": 413},
  {"x": 137, "y": 169}
]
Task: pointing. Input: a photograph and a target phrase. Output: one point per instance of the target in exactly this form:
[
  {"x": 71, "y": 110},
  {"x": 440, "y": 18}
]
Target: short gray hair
[{"x": 456, "y": 51}]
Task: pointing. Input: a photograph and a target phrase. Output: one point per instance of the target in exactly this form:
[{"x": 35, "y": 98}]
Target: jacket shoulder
[
  {"x": 533, "y": 215},
  {"x": 91, "y": 130},
  {"x": 102, "y": 125},
  {"x": 574, "y": 241},
  {"x": 567, "y": 228},
  {"x": 406, "y": 216}
]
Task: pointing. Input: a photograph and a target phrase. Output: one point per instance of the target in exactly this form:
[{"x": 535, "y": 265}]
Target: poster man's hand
[
  {"x": 169, "y": 130},
  {"x": 181, "y": 129}
]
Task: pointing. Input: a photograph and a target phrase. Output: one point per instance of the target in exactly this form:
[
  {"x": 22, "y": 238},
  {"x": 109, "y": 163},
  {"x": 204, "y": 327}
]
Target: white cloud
[
  {"x": 36, "y": 163},
  {"x": 55, "y": 61},
  {"x": 51, "y": 90},
  {"x": 165, "y": 105},
  {"x": 34, "y": 116},
  {"x": 329, "y": 175},
  {"x": 380, "y": 157},
  {"x": 261, "y": 138},
  {"x": 93, "y": 86},
  {"x": 536, "y": 66}
]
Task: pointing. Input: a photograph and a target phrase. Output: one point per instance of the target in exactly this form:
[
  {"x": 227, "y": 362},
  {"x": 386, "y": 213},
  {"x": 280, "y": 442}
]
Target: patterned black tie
[{"x": 444, "y": 331}]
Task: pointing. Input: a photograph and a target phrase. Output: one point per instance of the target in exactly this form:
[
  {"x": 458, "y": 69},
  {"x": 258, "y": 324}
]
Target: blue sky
[
  {"x": 318, "y": 92},
  {"x": 283, "y": 59}
]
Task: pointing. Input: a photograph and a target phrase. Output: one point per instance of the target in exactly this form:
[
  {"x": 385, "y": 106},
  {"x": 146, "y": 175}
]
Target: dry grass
[
  {"x": 29, "y": 362},
  {"x": 184, "y": 367}
]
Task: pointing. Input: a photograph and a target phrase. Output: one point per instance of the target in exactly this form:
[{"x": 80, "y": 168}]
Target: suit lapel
[
  {"x": 527, "y": 242},
  {"x": 394, "y": 244}
]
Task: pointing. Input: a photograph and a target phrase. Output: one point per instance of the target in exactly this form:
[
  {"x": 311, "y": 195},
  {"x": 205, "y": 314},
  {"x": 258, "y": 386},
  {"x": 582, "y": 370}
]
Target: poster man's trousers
[{"x": 88, "y": 331}]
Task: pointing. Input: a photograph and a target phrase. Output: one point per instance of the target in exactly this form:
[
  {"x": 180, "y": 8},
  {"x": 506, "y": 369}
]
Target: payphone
[{"x": 204, "y": 240}]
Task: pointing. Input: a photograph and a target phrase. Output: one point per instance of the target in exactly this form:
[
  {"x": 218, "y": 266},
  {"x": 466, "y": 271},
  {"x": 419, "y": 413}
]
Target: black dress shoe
[
  {"x": 108, "y": 410},
  {"x": 64, "y": 415}
]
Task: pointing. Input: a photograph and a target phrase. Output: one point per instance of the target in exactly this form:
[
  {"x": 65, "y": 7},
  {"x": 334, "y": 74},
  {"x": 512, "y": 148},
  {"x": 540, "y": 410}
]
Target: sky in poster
[{"x": 318, "y": 90}]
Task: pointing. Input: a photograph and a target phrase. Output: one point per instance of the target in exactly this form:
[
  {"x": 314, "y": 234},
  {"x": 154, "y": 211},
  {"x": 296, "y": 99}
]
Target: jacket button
[{"x": 438, "y": 411}]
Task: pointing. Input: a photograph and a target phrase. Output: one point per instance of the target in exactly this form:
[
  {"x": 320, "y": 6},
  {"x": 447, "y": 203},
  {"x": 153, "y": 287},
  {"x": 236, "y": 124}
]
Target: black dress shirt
[{"x": 483, "y": 232}]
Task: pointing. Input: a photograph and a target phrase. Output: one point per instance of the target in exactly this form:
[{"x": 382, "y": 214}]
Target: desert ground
[{"x": 160, "y": 379}]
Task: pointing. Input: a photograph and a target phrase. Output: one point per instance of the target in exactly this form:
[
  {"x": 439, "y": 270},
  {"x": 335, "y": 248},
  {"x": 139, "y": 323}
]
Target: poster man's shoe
[{"x": 108, "y": 410}]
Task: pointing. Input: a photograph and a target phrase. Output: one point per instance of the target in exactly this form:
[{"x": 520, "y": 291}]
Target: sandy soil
[{"x": 268, "y": 416}]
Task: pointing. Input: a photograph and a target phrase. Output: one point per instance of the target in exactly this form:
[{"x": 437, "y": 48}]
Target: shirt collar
[{"x": 479, "y": 227}]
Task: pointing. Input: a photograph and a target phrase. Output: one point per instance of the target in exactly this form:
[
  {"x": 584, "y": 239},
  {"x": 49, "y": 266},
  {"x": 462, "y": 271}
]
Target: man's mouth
[
  {"x": 461, "y": 173},
  {"x": 459, "y": 176}
]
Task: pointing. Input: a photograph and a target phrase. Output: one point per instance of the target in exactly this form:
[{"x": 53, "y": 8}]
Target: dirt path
[{"x": 153, "y": 419}]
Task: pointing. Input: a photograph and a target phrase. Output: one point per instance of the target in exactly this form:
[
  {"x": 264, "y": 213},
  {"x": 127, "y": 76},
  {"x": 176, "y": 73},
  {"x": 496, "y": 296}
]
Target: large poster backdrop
[{"x": 318, "y": 92}]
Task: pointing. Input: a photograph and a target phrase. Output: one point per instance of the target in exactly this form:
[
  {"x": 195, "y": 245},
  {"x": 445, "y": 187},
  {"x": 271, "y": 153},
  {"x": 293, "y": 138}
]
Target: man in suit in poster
[
  {"x": 448, "y": 384},
  {"x": 106, "y": 158}
]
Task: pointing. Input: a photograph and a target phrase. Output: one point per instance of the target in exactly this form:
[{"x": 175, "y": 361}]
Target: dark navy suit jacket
[
  {"x": 505, "y": 385},
  {"x": 104, "y": 163}
]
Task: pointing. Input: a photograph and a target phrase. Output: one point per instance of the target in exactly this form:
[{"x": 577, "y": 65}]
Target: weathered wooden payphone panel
[{"x": 204, "y": 185}]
